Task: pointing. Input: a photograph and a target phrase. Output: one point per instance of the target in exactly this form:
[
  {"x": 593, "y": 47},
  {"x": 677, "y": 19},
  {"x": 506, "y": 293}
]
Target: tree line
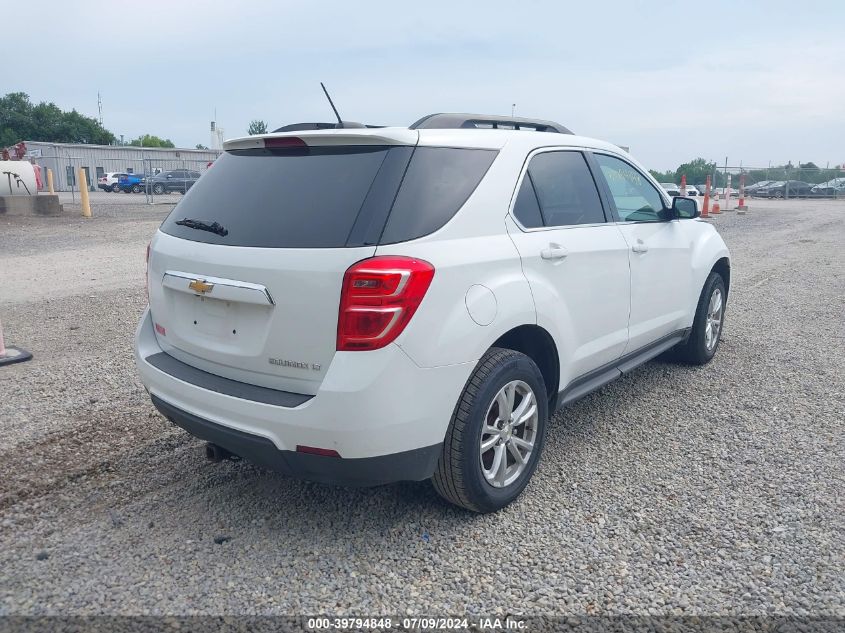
[
  {"x": 22, "y": 120},
  {"x": 697, "y": 171}
]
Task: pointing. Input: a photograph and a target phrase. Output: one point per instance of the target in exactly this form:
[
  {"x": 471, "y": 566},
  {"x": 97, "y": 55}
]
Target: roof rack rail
[
  {"x": 451, "y": 121},
  {"x": 297, "y": 127}
]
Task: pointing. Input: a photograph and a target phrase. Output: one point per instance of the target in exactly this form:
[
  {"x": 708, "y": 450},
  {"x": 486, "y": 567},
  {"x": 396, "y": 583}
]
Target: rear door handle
[
  {"x": 640, "y": 247},
  {"x": 554, "y": 251}
]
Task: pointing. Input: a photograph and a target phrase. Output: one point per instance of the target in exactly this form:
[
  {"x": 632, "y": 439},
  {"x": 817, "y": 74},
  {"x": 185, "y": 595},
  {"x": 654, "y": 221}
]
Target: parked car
[
  {"x": 131, "y": 183},
  {"x": 754, "y": 189},
  {"x": 788, "y": 189},
  {"x": 174, "y": 180},
  {"x": 109, "y": 181},
  {"x": 720, "y": 192},
  {"x": 758, "y": 185},
  {"x": 762, "y": 191},
  {"x": 829, "y": 189},
  {"x": 692, "y": 190},
  {"x": 671, "y": 188},
  {"x": 385, "y": 308}
]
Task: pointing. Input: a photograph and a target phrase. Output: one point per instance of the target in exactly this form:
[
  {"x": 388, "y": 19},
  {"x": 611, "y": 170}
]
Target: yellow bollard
[
  {"x": 50, "y": 181},
  {"x": 83, "y": 193}
]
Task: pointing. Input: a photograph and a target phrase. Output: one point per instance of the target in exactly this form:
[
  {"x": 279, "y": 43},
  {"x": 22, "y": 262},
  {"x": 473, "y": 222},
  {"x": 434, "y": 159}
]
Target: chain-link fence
[
  {"x": 775, "y": 182},
  {"x": 792, "y": 182},
  {"x": 165, "y": 177},
  {"x": 154, "y": 178}
]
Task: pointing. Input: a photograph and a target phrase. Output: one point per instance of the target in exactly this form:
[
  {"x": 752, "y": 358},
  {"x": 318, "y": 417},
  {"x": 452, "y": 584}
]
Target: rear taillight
[{"x": 378, "y": 299}]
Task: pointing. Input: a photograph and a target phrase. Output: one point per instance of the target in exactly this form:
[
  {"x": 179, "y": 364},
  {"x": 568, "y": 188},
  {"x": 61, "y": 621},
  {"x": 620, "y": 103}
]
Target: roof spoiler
[
  {"x": 319, "y": 138},
  {"x": 452, "y": 121}
]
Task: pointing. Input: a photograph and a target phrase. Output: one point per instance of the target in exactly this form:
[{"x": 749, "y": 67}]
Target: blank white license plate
[{"x": 214, "y": 317}]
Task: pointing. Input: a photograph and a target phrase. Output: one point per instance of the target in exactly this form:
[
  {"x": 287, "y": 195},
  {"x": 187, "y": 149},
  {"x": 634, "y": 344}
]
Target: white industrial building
[{"x": 64, "y": 159}]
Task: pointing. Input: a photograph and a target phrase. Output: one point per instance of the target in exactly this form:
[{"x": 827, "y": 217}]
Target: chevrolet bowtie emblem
[{"x": 198, "y": 285}]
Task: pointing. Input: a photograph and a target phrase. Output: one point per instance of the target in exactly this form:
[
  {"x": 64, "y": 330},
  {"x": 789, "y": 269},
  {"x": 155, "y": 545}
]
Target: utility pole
[
  {"x": 100, "y": 107},
  {"x": 513, "y": 107}
]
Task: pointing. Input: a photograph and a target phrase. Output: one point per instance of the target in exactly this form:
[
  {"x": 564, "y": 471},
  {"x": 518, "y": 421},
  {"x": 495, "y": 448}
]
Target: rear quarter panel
[
  {"x": 442, "y": 332},
  {"x": 472, "y": 249}
]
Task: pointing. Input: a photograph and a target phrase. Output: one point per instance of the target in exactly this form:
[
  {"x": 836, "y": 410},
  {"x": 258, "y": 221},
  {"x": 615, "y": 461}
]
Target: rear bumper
[
  {"x": 376, "y": 405},
  {"x": 413, "y": 465}
]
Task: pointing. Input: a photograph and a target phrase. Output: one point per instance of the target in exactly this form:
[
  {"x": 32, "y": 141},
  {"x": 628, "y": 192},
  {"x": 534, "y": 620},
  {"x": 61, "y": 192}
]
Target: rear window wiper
[{"x": 213, "y": 227}]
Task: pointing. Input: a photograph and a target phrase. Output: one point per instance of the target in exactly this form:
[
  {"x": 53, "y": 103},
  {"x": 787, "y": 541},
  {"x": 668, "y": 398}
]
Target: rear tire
[
  {"x": 485, "y": 477},
  {"x": 706, "y": 332}
]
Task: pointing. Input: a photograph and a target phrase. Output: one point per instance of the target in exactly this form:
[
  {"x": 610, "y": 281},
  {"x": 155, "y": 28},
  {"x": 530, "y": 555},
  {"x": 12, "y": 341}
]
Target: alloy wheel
[
  {"x": 714, "y": 320},
  {"x": 509, "y": 434}
]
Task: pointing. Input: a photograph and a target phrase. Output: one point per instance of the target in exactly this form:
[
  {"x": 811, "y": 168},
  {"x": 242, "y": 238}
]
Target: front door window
[{"x": 637, "y": 200}]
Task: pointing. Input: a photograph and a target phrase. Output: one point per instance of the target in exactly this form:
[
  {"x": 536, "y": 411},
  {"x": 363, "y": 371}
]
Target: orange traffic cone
[{"x": 716, "y": 209}]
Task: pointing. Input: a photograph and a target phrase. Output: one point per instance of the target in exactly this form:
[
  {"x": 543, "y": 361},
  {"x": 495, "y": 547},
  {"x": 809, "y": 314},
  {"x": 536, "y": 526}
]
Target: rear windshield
[
  {"x": 327, "y": 197},
  {"x": 294, "y": 199}
]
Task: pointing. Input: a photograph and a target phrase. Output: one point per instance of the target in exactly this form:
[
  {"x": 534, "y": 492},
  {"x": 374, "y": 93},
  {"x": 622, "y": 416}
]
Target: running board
[{"x": 598, "y": 378}]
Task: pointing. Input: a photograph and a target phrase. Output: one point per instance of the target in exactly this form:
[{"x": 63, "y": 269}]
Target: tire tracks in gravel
[{"x": 89, "y": 447}]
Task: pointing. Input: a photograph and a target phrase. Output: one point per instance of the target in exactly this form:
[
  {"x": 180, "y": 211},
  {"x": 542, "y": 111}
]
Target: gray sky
[{"x": 755, "y": 81}]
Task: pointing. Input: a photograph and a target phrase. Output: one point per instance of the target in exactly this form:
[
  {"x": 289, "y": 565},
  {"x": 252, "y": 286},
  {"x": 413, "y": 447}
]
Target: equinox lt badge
[{"x": 293, "y": 363}]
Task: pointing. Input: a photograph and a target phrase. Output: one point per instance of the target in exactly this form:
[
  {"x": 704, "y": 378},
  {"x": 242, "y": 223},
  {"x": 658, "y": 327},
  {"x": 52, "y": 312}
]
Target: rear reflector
[
  {"x": 325, "y": 452},
  {"x": 147, "y": 274},
  {"x": 378, "y": 299},
  {"x": 160, "y": 329},
  {"x": 284, "y": 142}
]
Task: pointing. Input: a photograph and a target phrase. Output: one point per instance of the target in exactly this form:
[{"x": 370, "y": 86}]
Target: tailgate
[
  {"x": 272, "y": 324},
  {"x": 245, "y": 274}
]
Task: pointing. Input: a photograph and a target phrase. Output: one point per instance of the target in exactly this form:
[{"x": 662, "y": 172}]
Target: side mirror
[{"x": 685, "y": 208}]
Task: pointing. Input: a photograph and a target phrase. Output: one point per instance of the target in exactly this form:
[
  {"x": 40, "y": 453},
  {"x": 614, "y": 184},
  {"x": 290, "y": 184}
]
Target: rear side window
[
  {"x": 438, "y": 182},
  {"x": 281, "y": 199},
  {"x": 526, "y": 208},
  {"x": 565, "y": 189}
]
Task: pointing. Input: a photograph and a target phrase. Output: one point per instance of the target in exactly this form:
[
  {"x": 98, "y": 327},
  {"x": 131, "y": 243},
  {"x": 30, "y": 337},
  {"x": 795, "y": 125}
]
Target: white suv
[{"x": 367, "y": 305}]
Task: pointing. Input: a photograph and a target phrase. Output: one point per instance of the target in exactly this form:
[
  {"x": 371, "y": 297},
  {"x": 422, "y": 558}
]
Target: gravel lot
[{"x": 715, "y": 490}]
